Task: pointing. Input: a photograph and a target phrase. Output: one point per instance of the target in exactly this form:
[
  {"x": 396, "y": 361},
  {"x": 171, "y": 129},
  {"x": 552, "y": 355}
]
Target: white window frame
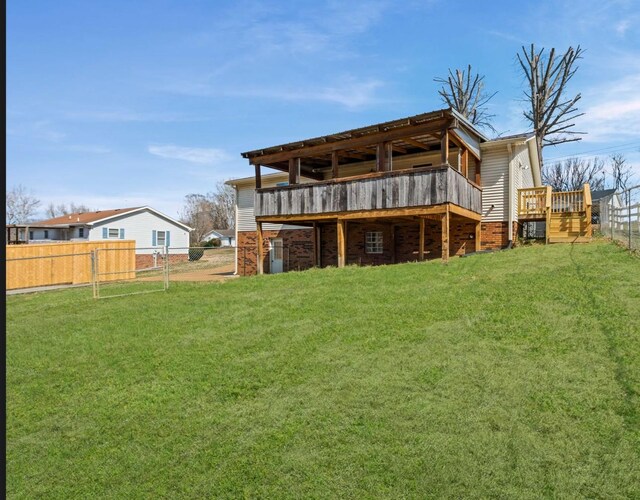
[
  {"x": 116, "y": 232},
  {"x": 374, "y": 242},
  {"x": 160, "y": 243}
]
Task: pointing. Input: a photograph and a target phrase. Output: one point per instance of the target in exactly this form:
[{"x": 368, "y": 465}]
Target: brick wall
[
  {"x": 298, "y": 250},
  {"x": 400, "y": 241},
  {"x": 495, "y": 235},
  {"x": 144, "y": 261}
]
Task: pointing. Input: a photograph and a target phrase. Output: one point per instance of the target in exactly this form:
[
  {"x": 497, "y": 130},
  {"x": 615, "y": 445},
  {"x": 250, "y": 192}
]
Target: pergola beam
[{"x": 367, "y": 140}]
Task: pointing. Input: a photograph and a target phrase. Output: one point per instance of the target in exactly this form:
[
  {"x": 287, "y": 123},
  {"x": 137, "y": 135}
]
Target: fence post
[{"x": 629, "y": 213}]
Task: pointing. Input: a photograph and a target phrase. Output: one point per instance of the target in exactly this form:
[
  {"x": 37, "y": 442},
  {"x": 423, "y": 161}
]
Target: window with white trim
[
  {"x": 161, "y": 238},
  {"x": 114, "y": 233},
  {"x": 373, "y": 242}
]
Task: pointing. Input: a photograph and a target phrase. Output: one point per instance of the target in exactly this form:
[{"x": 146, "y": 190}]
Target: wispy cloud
[
  {"x": 622, "y": 27},
  {"x": 350, "y": 92},
  {"x": 86, "y": 148},
  {"x": 204, "y": 156},
  {"x": 129, "y": 116},
  {"x": 615, "y": 112}
]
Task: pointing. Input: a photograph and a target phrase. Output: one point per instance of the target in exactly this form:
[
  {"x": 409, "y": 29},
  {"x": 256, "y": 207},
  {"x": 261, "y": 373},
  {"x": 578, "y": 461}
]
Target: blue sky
[{"x": 122, "y": 103}]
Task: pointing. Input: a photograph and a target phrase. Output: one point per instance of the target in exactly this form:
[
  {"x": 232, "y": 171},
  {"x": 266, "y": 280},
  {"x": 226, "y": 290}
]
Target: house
[
  {"x": 227, "y": 237},
  {"x": 152, "y": 231},
  {"x": 422, "y": 187}
]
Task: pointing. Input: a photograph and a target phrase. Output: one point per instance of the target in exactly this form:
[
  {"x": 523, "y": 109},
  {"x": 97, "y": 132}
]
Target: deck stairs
[{"x": 567, "y": 213}]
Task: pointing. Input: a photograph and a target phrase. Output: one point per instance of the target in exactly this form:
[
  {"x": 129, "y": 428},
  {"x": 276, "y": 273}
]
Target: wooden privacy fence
[{"x": 67, "y": 263}]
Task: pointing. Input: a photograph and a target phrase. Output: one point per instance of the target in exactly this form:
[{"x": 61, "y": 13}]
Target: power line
[{"x": 594, "y": 152}]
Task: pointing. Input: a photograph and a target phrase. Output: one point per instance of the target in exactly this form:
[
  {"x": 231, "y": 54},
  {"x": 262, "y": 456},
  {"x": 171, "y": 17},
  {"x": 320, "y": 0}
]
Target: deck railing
[
  {"x": 533, "y": 201},
  {"x": 397, "y": 189},
  {"x": 536, "y": 202}
]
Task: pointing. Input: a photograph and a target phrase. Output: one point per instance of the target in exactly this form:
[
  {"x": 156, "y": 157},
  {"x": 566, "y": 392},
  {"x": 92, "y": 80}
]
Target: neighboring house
[
  {"x": 227, "y": 237},
  {"x": 421, "y": 187},
  {"x": 151, "y": 230}
]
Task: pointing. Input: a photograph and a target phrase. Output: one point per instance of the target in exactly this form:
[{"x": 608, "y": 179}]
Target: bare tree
[
  {"x": 61, "y": 209},
  {"x": 225, "y": 203},
  {"x": 214, "y": 210},
  {"x": 621, "y": 172},
  {"x": 466, "y": 94},
  {"x": 552, "y": 111},
  {"x": 573, "y": 173},
  {"x": 21, "y": 205}
]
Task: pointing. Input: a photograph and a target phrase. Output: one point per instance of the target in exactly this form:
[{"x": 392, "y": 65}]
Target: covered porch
[{"x": 384, "y": 236}]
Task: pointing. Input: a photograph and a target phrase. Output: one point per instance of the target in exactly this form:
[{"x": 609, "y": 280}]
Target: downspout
[
  {"x": 235, "y": 264},
  {"x": 510, "y": 194}
]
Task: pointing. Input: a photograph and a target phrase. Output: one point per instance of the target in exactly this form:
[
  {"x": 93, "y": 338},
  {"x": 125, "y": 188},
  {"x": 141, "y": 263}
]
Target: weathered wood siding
[{"x": 392, "y": 190}]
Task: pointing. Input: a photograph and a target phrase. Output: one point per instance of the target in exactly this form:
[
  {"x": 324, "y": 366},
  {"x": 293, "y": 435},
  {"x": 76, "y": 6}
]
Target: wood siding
[{"x": 400, "y": 189}]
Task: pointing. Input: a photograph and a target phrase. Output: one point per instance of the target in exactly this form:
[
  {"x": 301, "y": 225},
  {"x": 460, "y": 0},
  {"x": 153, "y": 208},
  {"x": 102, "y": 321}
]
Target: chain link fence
[{"x": 619, "y": 217}]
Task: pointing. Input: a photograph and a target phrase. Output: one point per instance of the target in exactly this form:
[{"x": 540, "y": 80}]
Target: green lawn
[{"x": 512, "y": 375}]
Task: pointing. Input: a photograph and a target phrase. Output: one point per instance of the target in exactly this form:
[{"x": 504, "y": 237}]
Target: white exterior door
[{"x": 275, "y": 255}]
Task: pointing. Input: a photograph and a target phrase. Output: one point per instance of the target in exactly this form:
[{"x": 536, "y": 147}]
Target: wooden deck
[
  {"x": 567, "y": 213},
  {"x": 401, "y": 189}
]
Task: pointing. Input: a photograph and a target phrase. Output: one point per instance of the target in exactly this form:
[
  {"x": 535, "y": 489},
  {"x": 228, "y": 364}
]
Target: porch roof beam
[{"x": 367, "y": 140}]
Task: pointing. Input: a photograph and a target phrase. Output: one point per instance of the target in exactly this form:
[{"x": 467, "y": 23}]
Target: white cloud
[
  {"x": 204, "y": 156},
  {"x": 622, "y": 27},
  {"x": 615, "y": 113}
]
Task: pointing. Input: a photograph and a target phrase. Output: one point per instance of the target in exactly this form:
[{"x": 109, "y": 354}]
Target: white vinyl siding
[
  {"x": 245, "y": 215},
  {"x": 521, "y": 173},
  {"x": 494, "y": 173},
  {"x": 139, "y": 226}
]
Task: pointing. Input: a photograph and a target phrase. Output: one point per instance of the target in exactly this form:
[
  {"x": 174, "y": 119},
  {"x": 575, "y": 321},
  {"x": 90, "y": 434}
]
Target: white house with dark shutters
[{"x": 151, "y": 230}]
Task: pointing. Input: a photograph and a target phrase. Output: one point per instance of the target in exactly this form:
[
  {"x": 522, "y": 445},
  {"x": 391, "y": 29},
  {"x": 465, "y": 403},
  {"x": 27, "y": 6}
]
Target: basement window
[{"x": 373, "y": 242}]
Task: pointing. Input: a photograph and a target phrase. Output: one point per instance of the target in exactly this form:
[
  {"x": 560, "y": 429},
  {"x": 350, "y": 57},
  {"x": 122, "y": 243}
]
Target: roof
[
  {"x": 362, "y": 131},
  {"x": 523, "y": 137},
  {"x": 85, "y": 217},
  {"x": 227, "y": 233},
  {"x": 91, "y": 218},
  {"x": 602, "y": 193}
]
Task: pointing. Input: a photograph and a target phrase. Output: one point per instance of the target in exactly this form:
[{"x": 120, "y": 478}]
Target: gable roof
[
  {"x": 227, "y": 233},
  {"x": 92, "y": 218},
  {"x": 86, "y": 217},
  {"x": 602, "y": 193}
]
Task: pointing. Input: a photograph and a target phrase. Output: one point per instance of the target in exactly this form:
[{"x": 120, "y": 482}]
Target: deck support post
[
  {"x": 478, "y": 236},
  {"x": 421, "y": 239},
  {"x": 260, "y": 248},
  {"x": 294, "y": 171},
  {"x": 445, "y": 235},
  {"x": 342, "y": 242},
  {"x": 444, "y": 146},
  {"x": 258, "y": 176},
  {"x": 316, "y": 249},
  {"x": 464, "y": 162}
]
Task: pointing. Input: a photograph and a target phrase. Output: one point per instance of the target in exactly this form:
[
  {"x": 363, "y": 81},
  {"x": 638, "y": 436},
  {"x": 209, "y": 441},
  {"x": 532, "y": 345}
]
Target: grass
[{"x": 511, "y": 375}]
